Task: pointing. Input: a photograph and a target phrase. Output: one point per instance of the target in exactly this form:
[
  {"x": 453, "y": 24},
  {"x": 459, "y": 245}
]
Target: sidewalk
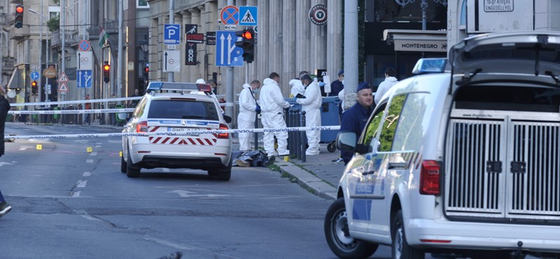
[{"x": 318, "y": 174}]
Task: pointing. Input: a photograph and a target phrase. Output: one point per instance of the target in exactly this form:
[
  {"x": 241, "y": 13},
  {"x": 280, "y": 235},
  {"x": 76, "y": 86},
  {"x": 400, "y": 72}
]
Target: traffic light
[
  {"x": 146, "y": 71},
  {"x": 19, "y": 16},
  {"x": 34, "y": 87},
  {"x": 247, "y": 43},
  {"x": 106, "y": 72}
]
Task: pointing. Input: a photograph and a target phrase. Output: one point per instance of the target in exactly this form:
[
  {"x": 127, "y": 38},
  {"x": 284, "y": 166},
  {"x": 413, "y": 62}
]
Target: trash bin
[
  {"x": 56, "y": 116},
  {"x": 121, "y": 116},
  {"x": 330, "y": 117}
]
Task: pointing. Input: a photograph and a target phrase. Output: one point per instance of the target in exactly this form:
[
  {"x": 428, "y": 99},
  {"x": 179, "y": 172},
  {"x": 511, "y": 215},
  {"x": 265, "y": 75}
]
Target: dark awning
[{"x": 416, "y": 40}]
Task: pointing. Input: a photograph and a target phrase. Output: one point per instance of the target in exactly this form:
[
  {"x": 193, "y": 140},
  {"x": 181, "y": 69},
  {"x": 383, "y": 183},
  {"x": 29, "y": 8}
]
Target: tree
[{"x": 54, "y": 23}]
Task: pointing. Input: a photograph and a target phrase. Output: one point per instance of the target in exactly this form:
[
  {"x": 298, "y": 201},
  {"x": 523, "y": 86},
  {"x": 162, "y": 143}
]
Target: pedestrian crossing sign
[{"x": 248, "y": 15}]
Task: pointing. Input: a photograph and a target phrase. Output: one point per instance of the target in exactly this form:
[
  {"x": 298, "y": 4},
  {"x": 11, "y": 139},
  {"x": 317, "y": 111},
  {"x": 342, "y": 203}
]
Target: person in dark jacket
[
  {"x": 4, "y": 108},
  {"x": 337, "y": 85},
  {"x": 355, "y": 118}
]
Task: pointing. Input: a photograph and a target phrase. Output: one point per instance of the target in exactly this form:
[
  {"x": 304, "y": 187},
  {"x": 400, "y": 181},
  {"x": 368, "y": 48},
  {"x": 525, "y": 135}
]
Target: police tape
[
  {"x": 172, "y": 133},
  {"x": 122, "y": 110},
  {"x": 80, "y": 101}
]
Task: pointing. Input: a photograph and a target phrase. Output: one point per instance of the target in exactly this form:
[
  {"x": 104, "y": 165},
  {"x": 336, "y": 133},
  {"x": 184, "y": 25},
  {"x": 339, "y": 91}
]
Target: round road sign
[{"x": 318, "y": 14}]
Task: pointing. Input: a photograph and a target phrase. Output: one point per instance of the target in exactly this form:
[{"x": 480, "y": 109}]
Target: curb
[{"x": 307, "y": 180}]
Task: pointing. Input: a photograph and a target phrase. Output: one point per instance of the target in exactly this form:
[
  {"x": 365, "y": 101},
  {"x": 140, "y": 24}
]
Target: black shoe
[{"x": 4, "y": 208}]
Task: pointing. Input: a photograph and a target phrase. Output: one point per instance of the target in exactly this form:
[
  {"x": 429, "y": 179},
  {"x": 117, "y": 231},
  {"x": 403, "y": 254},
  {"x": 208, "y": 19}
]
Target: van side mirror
[
  {"x": 346, "y": 141},
  {"x": 227, "y": 119}
]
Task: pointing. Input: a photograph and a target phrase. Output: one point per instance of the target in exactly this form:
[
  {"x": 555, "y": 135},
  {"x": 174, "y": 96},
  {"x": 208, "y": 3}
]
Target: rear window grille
[{"x": 183, "y": 109}]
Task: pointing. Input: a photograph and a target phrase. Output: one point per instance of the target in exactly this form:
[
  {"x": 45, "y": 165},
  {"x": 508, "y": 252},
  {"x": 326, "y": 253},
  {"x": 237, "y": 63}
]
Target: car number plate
[{"x": 183, "y": 131}]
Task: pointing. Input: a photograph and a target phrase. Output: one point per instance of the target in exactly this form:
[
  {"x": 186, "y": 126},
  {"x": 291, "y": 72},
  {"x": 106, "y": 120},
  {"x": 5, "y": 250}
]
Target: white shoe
[
  {"x": 285, "y": 153},
  {"x": 311, "y": 153}
]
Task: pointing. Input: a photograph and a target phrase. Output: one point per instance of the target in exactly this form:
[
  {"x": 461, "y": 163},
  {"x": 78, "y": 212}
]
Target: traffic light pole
[{"x": 170, "y": 77}]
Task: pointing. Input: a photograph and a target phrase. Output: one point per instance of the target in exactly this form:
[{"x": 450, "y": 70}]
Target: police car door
[{"x": 363, "y": 186}]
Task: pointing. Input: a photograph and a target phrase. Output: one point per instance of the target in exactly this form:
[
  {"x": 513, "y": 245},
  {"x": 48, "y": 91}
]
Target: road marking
[
  {"x": 166, "y": 170},
  {"x": 86, "y": 216},
  {"x": 93, "y": 154},
  {"x": 89, "y": 161},
  {"x": 87, "y": 174},
  {"x": 188, "y": 194},
  {"x": 170, "y": 244},
  {"x": 81, "y": 184},
  {"x": 5, "y": 163},
  {"x": 75, "y": 194}
]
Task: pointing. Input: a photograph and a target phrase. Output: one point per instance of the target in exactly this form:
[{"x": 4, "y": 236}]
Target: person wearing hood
[
  {"x": 311, "y": 104},
  {"x": 355, "y": 118},
  {"x": 201, "y": 81},
  {"x": 296, "y": 87},
  {"x": 389, "y": 81},
  {"x": 272, "y": 110},
  {"x": 4, "y": 108},
  {"x": 248, "y": 110}
]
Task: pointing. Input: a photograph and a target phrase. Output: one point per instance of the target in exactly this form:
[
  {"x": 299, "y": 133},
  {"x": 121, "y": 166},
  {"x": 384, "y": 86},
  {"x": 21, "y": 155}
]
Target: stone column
[
  {"x": 275, "y": 40},
  {"x": 318, "y": 43},
  {"x": 185, "y": 70},
  {"x": 334, "y": 38},
  {"x": 262, "y": 52},
  {"x": 290, "y": 34},
  {"x": 210, "y": 24},
  {"x": 303, "y": 37}
]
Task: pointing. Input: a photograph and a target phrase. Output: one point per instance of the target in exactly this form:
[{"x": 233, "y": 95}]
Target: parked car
[
  {"x": 176, "y": 113},
  {"x": 462, "y": 160}
]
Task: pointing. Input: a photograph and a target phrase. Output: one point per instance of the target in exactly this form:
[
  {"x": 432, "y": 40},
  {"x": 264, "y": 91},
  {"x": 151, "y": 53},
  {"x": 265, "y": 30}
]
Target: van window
[
  {"x": 183, "y": 109},
  {"x": 373, "y": 126},
  {"x": 140, "y": 107},
  {"x": 387, "y": 133},
  {"x": 409, "y": 133}
]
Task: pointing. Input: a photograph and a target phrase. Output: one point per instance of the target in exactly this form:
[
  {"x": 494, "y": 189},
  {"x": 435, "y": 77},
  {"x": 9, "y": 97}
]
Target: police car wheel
[
  {"x": 331, "y": 147},
  {"x": 399, "y": 247},
  {"x": 338, "y": 238},
  {"x": 131, "y": 170},
  {"x": 223, "y": 174}
]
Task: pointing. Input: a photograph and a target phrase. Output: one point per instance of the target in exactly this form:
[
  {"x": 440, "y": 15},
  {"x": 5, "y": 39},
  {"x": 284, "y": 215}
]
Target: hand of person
[
  {"x": 258, "y": 109},
  {"x": 300, "y": 96},
  {"x": 321, "y": 84}
]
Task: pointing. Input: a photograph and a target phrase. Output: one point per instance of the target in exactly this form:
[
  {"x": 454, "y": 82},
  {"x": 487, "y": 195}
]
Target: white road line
[
  {"x": 89, "y": 161},
  {"x": 87, "y": 174},
  {"x": 166, "y": 170},
  {"x": 170, "y": 244},
  {"x": 76, "y": 194},
  {"x": 81, "y": 183},
  {"x": 93, "y": 154}
]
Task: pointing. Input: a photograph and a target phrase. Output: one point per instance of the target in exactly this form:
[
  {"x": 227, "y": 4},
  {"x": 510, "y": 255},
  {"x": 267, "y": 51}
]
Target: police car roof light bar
[
  {"x": 429, "y": 65},
  {"x": 178, "y": 87}
]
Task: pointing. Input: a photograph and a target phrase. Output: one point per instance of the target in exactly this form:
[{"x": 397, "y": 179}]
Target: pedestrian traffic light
[
  {"x": 19, "y": 16},
  {"x": 106, "y": 72},
  {"x": 34, "y": 87},
  {"x": 146, "y": 71},
  {"x": 247, "y": 43}
]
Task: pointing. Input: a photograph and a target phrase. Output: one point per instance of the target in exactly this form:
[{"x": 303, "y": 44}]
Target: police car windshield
[{"x": 182, "y": 109}]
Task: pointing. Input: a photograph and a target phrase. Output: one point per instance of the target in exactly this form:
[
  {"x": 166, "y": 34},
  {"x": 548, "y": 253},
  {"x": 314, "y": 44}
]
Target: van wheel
[
  {"x": 400, "y": 248},
  {"x": 131, "y": 170},
  {"x": 338, "y": 236},
  {"x": 331, "y": 147},
  {"x": 123, "y": 165}
]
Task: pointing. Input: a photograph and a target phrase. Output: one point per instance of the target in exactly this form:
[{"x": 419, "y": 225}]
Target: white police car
[
  {"x": 465, "y": 161},
  {"x": 168, "y": 113}
]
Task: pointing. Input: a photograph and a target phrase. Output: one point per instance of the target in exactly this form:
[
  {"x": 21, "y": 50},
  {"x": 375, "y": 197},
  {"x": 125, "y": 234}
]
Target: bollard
[
  {"x": 256, "y": 134},
  {"x": 291, "y": 134},
  {"x": 303, "y": 145},
  {"x": 297, "y": 139}
]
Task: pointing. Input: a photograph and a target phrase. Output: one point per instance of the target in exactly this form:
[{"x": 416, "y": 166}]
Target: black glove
[
  {"x": 300, "y": 95},
  {"x": 258, "y": 109}
]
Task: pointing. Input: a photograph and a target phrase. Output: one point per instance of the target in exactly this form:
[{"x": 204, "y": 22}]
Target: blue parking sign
[{"x": 172, "y": 34}]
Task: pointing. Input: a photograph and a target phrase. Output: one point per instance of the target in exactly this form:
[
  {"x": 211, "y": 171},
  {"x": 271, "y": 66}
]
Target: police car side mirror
[
  {"x": 227, "y": 119},
  {"x": 346, "y": 141}
]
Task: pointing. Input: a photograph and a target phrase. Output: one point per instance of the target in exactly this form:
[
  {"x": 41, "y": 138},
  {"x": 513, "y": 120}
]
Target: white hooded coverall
[
  {"x": 272, "y": 111},
  {"x": 247, "y": 116},
  {"x": 311, "y": 104},
  {"x": 296, "y": 87}
]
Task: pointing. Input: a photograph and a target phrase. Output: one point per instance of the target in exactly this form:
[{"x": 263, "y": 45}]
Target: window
[
  {"x": 409, "y": 133},
  {"x": 142, "y": 4},
  {"x": 183, "y": 109},
  {"x": 373, "y": 126},
  {"x": 390, "y": 123},
  {"x": 140, "y": 107}
]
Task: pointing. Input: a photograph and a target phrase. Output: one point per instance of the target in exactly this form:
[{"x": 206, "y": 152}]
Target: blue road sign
[
  {"x": 172, "y": 34},
  {"x": 84, "y": 78},
  {"x": 230, "y": 15},
  {"x": 227, "y": 54},
  {"x": 34, "y": 75},
  {"x": 248, "y": 15}
]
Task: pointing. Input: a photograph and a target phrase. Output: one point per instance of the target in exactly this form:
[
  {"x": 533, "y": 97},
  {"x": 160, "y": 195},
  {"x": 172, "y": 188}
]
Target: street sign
[
  {"x": 84, "y": 78},
  {"x": 172, "y": 60},
  {"x": 211, "y": 38},
  {"x": 85, "y": 60},
  {"x": 62, "y": 88},
  {"x": 195, "y": 37},
  {"x": 227, "y": 54},
  {"x": 49, "y": 72},
  {"x": 63, "y": 78},
  {"x": 34, "y": 75},
  {"x": 84, "y": 45},
  {"x": 230, "y": 15},
  {"x": 172, "y": 34},
  {"x": 248, "y": 15}
]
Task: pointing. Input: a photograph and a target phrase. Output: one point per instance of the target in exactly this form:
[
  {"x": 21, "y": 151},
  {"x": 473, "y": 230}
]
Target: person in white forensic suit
[
  {"x": 311, "y": 104},
  {"x": 272, "y": 111},
  {"x": 296, "y": 87},
  {"x": 248, "y": 110}
]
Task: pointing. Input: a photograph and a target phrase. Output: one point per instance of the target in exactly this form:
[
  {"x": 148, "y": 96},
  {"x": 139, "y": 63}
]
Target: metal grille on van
[{"x": 503, "y": 169}]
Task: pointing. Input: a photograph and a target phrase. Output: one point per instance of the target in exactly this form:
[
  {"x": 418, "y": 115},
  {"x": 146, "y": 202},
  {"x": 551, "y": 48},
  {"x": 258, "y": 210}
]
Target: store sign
[{"x": 420, "y": 46}]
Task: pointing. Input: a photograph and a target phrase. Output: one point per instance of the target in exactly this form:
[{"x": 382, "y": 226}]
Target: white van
[{"x": 463, "y": 162}]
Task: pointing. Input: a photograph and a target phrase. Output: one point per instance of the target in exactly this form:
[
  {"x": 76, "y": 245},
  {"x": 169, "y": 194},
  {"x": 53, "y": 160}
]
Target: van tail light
[
  {"x": 142, "y": 127},
  {"x": 429, "y": 177},
  {"x": 223, "y": 135}
]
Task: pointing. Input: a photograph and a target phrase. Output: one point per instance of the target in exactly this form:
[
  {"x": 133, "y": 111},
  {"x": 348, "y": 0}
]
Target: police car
[
  {"x": 174, "y": 117},
  {"x": 463, "y": 161}
]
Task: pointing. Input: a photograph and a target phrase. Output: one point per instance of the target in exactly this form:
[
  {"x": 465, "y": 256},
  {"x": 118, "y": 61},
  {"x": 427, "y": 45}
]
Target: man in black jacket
[{"x": 4, "y": 108}]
